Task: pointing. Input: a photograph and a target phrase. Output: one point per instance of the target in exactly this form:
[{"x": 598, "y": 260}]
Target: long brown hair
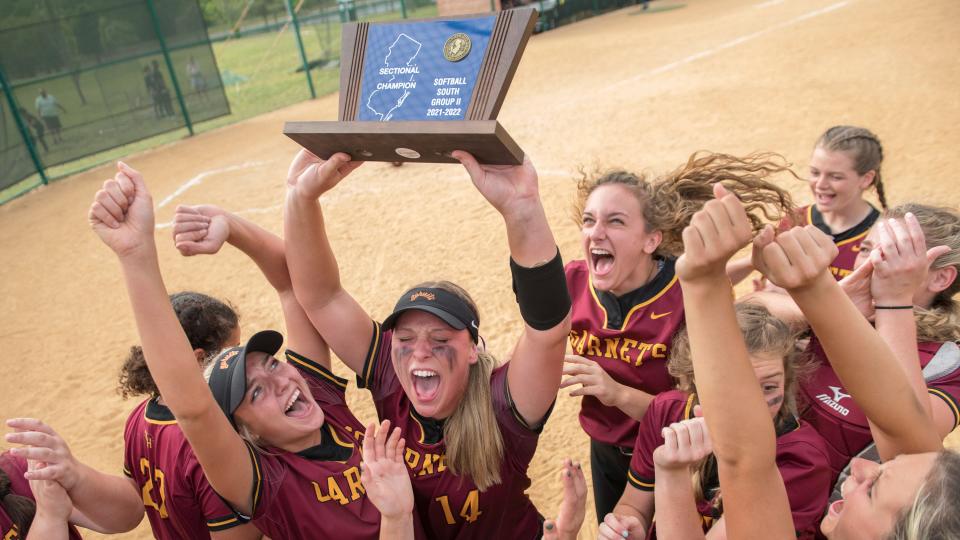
[
  {"x": 941, "y": 227},
  {"x": 208, "y": 323},
  {"x": 20, "y": 509},
  {"x": 471, "y": 434},
  {"x": 763, "y": 334},
  {"x": 863, "y": 146},
  {"x": 670, "y": 200}
]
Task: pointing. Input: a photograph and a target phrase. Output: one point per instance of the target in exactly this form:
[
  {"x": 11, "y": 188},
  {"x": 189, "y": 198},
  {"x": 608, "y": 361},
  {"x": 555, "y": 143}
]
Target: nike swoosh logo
[{"x": 655, "y": 316}]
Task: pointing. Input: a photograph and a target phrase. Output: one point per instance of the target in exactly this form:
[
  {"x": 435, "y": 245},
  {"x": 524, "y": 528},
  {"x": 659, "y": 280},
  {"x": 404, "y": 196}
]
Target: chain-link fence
[{"x": 83, "y": 76}]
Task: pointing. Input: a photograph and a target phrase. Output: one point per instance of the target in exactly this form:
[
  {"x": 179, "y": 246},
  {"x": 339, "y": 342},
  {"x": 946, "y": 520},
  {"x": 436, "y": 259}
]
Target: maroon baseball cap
[{"x": 228, "y": 380}]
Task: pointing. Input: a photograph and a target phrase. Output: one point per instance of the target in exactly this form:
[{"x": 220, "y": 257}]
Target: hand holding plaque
[{"x": 416, "y": 91}]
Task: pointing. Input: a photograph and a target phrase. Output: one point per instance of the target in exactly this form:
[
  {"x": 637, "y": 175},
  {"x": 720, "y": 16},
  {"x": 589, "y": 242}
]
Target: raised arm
[
  {"x": 122, "y": 216},
  {"x": 686, "y": 443},
  {"x": 797, "y": 261},
  {"x": 205, "y": 228},
  {"x": 341, "y": 321},
  {"x": 743, "y": 436},
  {"x": 387, "y": 482},
  {"x": 536, "y": 366},
  {"x": 106, "y": 503}
]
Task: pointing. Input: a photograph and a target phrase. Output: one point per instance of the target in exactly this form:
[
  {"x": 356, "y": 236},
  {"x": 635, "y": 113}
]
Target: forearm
[
  {"x": 741, "y": 430},
  {"x": 632, "y": 401},
  {"x": 312, "y": 265},
  {"x": 677, "y": 515},
  {"x": 396, "y": 528},
  {"x": 264, "y": 248},
  {"x": 529, "y": 235},
  {"x": 165, "y": 347},
  {"x": 47, "y": 527},
  {"x": 110, "y": 503},
  {"x": 854, "y": 348},
  {"x": 779, "y": 305},
  {"x": 898, "y": 329},
  {"x": 626, "y": 509},
  {"x": 739, "y": 269}
]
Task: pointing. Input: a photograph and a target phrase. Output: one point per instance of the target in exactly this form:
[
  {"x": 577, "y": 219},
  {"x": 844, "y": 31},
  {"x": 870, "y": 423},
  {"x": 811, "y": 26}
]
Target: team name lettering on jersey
[
  {"x": 840, "y": 272},
  {"x": 13, "y": 534},
  {"x": 625, "y": 349},
  {"x": 333, "y": 491},
  {"x": 425, "y": 463}
]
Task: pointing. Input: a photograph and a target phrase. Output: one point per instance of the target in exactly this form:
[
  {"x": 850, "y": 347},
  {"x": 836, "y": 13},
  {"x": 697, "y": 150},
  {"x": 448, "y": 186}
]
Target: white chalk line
[
  {"x": 248, "y": 211},
  {"x": 198, "y": 179},
  {"x": 723, "y": 46},
  {"x": 768, "y": 3}
]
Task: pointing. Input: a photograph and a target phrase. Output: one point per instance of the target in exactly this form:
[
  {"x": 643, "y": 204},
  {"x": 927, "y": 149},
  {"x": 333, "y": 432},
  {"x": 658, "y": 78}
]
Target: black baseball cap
[
  {"x": 228, "y": 380},
  {"x": 449, "y": 307}
]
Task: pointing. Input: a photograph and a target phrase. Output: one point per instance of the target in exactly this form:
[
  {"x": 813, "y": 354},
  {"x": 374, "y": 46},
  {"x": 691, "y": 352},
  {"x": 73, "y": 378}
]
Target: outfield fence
[{"x": 84, "y": 80}]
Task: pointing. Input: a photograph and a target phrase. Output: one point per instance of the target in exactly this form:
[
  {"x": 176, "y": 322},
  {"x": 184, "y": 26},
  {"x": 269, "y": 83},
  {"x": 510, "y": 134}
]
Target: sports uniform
[
  {"x": 847, "y": 241},
  {"x": 630, "y": 338},
  {"x": 179, "y": 501},
  {"x": 451, "y": 506},
  {"x": 14, "y": 467},
  {"x": 841, "y": 422},
  {"x": 316, "y": 493},
  {"x": 802, "y": 458}
]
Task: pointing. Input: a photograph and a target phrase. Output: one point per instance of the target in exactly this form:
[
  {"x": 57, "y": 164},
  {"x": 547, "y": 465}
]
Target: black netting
[
  {"x": 15, "y": 161},
  {"x": 94, "y": 74}
]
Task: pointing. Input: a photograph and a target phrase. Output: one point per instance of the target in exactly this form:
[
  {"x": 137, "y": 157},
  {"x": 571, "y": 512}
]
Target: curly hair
[
  {"x": 208, "y": 323},
  {"x": 670, "y": 200}
]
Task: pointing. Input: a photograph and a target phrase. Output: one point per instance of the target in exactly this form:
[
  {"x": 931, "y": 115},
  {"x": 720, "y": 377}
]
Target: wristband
[
  {"x": 892, "y": 307},
  {"x": 542, "y": 293}
]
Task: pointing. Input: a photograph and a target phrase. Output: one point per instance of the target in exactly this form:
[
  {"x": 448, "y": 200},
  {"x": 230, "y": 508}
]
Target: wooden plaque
[{"x": 414, "y": 91}]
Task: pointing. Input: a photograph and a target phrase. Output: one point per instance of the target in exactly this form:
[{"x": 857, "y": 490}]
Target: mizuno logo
[
  {"x": 655, "y": 316},
  {"x": 837, "y": 394},
  {"x": 423, "y": 294}
]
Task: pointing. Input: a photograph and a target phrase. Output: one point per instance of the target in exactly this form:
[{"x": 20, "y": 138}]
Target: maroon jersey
[
  {"x": 848, "y": 241},
  {"x": 629, "y": 336},
  {"x": 15, "y": 466},
  {"x": 179, "y": 501},
  {"x": 838, "y": 418},
  {"x": 316, "y": 493},
  {"x": 802, "y": 458},
  {"x": 452, "y": 506}
]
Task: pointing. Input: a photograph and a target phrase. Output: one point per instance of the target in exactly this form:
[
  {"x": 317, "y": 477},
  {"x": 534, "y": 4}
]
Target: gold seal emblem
[{"x": 457, "y": 47}]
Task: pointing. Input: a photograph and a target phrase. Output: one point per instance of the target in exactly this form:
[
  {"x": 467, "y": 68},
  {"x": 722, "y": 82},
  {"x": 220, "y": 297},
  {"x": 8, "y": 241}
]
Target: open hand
[
  {"x": 716, "y": 232},
  {"x": 200, "y": 229},
  {"x": 310, "y": 176},
  {"x": 385, "y": 475},
  {"x": 122, "y": 211},
  {"x": 900, "y": 260},
  {"x": 573, "y": 507},
  {"x": 592, "y": 378},
  {"x": 43, "y": 445}
]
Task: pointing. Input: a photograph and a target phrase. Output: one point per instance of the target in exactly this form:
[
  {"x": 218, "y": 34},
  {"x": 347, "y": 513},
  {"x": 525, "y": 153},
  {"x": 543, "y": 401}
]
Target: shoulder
[
  {"x": 671, "y": 406},
  {"x": 803, "y": 445},
  {"x": 575, "y": 270}
]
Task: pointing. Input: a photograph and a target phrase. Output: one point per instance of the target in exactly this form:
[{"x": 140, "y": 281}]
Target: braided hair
[{"x": 863, "y": 146}]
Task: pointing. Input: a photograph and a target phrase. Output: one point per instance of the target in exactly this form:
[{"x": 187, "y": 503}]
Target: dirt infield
[{"x": 633, "y": 90}]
